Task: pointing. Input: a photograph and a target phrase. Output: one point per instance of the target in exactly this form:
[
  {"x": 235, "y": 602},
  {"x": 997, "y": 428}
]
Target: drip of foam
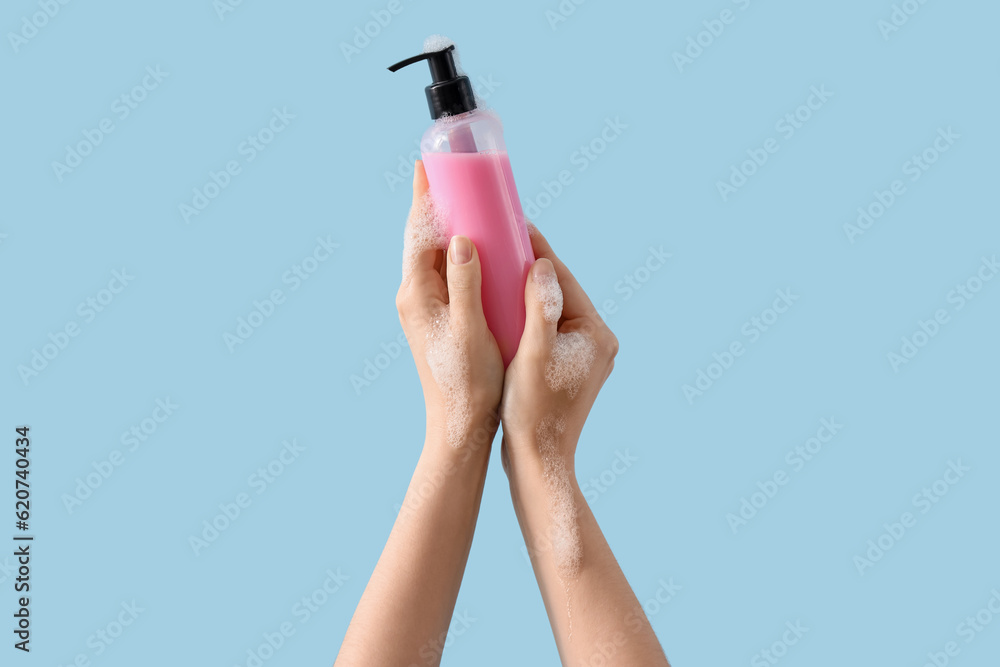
[
  {"x": 450, "y": 367},
  {"x": 425, "y": 230},
  {"x": 573, "y": 354},
  {"x": 551, "y": 297},
  {"x": 565, "y": 534}
]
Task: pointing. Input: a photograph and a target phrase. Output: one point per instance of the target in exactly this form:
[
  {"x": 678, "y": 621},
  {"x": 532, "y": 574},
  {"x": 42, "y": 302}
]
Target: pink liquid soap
[{"x": 476, "y": 196}]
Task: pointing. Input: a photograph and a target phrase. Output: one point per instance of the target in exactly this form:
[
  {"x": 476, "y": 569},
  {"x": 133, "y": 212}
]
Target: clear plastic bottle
[{"x": 472, "y": 186}]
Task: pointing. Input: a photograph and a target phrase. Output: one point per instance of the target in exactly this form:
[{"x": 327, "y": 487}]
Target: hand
[
  {"x": 441, "y": 311},
  {"x": 563, "y": 360}
]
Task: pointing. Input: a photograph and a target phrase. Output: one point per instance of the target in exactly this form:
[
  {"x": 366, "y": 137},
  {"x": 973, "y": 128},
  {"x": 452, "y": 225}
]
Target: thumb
[
  {"x": 543, "y": 303},
  {"x": 464, "y": 280}
]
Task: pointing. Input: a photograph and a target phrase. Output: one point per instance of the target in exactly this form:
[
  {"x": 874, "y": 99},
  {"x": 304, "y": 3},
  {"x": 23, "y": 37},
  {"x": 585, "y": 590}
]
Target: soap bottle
[{"x": 472, "y": 188}]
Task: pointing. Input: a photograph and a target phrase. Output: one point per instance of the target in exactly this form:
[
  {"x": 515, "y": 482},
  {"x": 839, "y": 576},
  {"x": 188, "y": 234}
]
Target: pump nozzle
[{"x": 450, "y": 93}]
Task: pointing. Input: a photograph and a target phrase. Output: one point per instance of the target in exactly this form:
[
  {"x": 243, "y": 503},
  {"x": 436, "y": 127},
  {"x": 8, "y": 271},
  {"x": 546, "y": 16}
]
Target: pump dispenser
[
  {"x": 472, "y": 187},
  {"x": 450, "y": 93}
]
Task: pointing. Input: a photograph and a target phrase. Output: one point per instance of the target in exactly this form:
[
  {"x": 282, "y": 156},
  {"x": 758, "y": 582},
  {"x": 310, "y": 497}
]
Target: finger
[
  {"x": 464, "y": 281},
  {"x": 421, "y": 247},
  {"x": 576, "y": 303},
  {"x": 543, "y": 302},
  {"x": 420, "y": 184}
]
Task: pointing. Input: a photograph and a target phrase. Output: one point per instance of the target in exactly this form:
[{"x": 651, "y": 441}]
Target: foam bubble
[
  {"x": 564, "y": 531},
  {"x": 437, "y": 43},
  {"x": 532, "y": 229},
  {"x": 573, "y": 354},
  {"x": 550, "y": 295},
  {"x": 450, "y": 367},
  {"x": 425, "y": 230}
]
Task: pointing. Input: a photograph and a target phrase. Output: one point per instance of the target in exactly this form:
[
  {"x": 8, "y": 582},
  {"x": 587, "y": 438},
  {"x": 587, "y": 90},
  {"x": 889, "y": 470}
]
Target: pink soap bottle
[{"x": 473, "y": 188}]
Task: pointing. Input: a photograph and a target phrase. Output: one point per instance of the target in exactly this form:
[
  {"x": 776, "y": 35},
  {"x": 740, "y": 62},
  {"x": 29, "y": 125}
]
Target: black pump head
[{"x": 450, "y": 93}]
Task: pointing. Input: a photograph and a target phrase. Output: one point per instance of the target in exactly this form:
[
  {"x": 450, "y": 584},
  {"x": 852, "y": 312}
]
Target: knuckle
[
  {"x": 612, "y": 345},
  {"x": 607, "y": 343},
  {"x": 461, "y": 281}
]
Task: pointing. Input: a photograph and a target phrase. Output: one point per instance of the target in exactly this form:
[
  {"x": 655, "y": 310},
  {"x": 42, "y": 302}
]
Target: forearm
[
  {"x": 591, "y": 607},
  {"x": 408, "y": 603}
]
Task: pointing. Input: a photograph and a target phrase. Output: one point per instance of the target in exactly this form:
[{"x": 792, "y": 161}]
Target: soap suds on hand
[
  {"x": 449, "y": 365},
  {"x": 550, "y": 296},
  {"x": 565, "y": 533},
  {"x": 425, "y": 230},
  {"x": 573, "y": 355}
]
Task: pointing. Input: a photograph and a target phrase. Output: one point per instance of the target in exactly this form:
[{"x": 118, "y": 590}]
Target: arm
[
  {"x": 404, "y": 613},
  {"x": 565, "y": 356}
]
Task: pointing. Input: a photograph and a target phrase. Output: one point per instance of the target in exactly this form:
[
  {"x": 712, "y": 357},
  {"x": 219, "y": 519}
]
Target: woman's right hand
[{"x": 565, "y": 355}]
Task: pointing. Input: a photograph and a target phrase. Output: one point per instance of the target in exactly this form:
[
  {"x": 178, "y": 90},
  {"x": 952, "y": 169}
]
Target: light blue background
[{"x": 665, "y": 517}]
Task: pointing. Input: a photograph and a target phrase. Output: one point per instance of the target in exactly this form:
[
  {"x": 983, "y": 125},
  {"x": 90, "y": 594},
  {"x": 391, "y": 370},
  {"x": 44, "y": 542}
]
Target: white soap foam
[
  {"x": 425, "y": 230},
  {"x": 532, "y": 229},
  {"x": 551, "y": 297},
  {"x": 437, "y": 43},
  {"x": 564, "y": 532},
  {"x": 450, "y": 367},
  {"x": 573, "y": 355}
]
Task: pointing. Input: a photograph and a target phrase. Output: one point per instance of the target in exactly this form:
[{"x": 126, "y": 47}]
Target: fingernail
[
  {"x": 461, "y": 250},
  {"x": 543, "y": 268}
]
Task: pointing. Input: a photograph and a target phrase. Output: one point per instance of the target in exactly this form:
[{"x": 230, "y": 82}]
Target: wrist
[
  {"x": 461, "y": 435},
  {"x": 530, "y": 466}
]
